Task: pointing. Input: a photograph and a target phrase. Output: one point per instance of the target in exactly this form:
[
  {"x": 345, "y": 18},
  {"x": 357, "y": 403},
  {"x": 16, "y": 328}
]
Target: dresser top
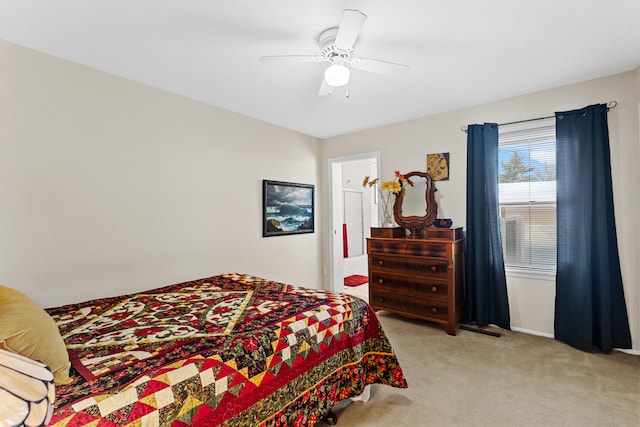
[{"x": 431, "y": 233}]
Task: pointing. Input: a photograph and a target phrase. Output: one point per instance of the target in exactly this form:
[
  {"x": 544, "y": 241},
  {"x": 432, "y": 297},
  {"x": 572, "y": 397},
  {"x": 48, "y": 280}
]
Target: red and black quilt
[{"x": 226, "y": 350}]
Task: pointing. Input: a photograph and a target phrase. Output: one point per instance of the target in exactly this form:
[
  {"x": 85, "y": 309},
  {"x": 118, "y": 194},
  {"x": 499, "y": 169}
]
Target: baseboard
[
  {"x": 547, "y": 335},
  {"x": 532, "y": 332},
  {"x": 628, "y": 351}
]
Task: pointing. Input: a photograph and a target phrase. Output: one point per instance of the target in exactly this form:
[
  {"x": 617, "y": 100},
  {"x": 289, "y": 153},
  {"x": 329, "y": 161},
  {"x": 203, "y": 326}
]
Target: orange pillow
[{"x": 28, "y": 330}]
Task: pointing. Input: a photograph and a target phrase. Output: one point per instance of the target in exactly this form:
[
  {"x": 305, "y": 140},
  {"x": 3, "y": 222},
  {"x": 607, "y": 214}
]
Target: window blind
[{"x": 527, "y": 197}]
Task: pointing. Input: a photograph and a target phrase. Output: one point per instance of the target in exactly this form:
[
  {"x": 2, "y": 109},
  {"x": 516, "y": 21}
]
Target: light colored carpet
[{"x": 515, "y": 380}]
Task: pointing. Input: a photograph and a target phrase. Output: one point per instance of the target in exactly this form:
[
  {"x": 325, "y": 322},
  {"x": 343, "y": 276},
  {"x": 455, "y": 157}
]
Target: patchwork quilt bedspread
[{"x": 226, "y": 350}]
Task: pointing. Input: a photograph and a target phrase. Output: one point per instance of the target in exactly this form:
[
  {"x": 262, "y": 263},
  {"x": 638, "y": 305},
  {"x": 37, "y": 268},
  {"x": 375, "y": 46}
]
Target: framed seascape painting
[{"x": 287, "y": 208}]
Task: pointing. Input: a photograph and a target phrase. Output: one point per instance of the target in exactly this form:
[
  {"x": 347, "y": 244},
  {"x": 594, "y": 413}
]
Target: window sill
[{"x": 529, "y": 274}]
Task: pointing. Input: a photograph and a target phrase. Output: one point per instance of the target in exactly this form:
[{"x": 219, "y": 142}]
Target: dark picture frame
[{"x": 287, "y": 208}]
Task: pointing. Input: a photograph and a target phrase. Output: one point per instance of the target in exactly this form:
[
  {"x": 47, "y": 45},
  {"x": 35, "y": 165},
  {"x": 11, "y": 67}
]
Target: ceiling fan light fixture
[{"x": 337, "y": 75}]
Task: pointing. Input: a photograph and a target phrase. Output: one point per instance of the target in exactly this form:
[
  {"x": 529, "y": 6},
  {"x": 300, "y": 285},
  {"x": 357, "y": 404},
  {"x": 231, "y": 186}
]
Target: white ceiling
[{"x": 461, "y": 52}]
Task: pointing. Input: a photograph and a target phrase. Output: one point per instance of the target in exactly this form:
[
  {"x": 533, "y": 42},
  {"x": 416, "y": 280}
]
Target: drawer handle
[
  {"x": 434, "y": 289},
  {"x": 434, "y": 310},
  {"x": 381, "y": 299},
  {"x": 380, "y": 262},
  {"x": 433, "y": 268},
  {"x": 380, "y": 281}
]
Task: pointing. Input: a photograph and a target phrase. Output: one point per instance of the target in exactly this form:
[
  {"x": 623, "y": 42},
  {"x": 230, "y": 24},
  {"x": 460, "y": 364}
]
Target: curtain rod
[{"x": 610, "y": 105}]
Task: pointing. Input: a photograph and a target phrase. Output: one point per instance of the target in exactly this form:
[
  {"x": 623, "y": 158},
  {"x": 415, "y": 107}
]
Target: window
[{"x": 527, "y": 197}]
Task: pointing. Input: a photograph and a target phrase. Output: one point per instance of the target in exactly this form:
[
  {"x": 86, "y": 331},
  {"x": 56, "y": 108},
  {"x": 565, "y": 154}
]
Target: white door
[{"x": 354, "y": 220}]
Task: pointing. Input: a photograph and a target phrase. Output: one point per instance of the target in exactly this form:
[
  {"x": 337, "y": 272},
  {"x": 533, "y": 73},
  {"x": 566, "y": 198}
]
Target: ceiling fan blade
[
  {"x": 377, "y": 66},
  {"x": 291, "y": 58},
  {"x": 350, "y": 26},
  {"x": 325, "y": 89}
]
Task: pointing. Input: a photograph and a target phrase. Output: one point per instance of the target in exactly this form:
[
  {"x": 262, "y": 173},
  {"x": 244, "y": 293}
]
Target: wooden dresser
[{"x": 419, "y": 278}]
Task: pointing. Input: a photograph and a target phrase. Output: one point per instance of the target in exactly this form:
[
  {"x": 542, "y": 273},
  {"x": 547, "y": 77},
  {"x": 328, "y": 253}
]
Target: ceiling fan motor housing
[{"x": 329, "y": 50}]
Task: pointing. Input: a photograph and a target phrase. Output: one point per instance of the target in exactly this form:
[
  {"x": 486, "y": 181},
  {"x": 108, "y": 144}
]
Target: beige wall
[
  {"x": 404, "y": 146},
  {"x": 108, "y": 186}
]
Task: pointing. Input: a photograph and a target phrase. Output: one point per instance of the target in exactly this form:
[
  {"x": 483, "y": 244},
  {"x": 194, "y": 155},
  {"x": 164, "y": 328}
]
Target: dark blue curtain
[
  {"x": 486, "y": 285},
  {"x": 590, "y": 307}
]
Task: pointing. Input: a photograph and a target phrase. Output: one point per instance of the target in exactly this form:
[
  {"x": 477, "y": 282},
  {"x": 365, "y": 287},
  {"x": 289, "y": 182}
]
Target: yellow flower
[
  {"x": 369, "y": 183},
  {"x": 393, "y": 186}
]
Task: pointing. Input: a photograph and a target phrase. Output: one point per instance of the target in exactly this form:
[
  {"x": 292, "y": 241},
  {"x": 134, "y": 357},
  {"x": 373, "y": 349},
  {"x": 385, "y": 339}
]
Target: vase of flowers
[{"x": 386, "y": 190}]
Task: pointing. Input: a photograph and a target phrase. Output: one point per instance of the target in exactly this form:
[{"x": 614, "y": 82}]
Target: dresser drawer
[
  {"x": 432, "y": 267},
  {"x": 420, "y": 307},
  {"x": 444, "y": 233},
  {"x": 409, "y": 247},
  {"x": 411, "y": 286}
]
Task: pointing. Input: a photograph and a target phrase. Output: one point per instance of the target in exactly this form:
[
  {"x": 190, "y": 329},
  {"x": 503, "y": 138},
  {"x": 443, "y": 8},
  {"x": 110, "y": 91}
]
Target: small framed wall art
[
  {"x": 287, "y": 208},
  {"x": 438, "y": 166}
]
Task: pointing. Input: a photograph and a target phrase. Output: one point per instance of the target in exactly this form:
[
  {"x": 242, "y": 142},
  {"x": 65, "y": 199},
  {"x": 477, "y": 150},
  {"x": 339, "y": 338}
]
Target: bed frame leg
[{"x": 331, "y": 418}]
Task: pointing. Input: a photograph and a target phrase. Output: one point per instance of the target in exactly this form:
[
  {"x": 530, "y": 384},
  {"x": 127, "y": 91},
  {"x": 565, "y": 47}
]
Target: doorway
[{"x": 354, "y": 211}]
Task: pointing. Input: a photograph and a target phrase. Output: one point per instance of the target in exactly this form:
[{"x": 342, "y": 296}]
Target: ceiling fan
[{"x": 336, "y": 47}]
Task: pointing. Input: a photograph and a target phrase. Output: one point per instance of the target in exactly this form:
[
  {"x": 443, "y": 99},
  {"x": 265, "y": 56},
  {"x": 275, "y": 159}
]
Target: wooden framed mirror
[{"x": 416, "y": 209}]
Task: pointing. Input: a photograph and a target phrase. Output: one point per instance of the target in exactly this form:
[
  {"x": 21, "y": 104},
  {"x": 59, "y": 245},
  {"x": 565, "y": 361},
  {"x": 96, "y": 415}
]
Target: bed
[{"x": 228, "y": 350}]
